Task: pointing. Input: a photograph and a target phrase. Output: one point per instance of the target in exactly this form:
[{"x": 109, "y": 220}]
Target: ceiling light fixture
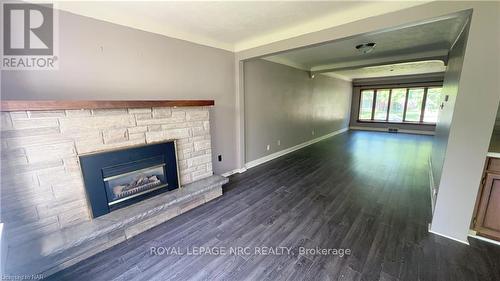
[{"x": 366, "y": 48}]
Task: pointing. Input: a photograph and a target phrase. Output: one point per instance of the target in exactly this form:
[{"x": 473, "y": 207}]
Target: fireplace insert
[{"x": 119, "y": 178}]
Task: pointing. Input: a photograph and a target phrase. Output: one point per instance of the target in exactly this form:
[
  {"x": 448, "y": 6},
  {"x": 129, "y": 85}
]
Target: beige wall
[
  {"x": 171, "y": 68},
  {"x": 101, "y": 60},
  {"x": 283, "y": 103},
  {"x": 475, "y": 108}
]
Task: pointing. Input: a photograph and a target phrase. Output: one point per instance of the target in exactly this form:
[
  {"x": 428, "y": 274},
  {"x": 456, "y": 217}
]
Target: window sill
[{"x": 397, "y": 123}]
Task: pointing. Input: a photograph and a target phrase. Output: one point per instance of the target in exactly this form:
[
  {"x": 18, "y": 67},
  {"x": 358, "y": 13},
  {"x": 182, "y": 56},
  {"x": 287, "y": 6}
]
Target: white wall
[
  {"x": 448, "y": 99},
  {"x": 284, "y": 103},
  {"x": 471, "y": 125}
]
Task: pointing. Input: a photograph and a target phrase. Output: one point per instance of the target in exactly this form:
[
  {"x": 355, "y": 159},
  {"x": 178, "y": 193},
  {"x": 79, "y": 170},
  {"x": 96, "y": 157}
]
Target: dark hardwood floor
[{"x": 365, "y": 191}]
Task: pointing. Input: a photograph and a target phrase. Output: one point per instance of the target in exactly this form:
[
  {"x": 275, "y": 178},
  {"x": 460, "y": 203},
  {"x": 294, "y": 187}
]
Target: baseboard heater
[{"x": 392, "y": 130}]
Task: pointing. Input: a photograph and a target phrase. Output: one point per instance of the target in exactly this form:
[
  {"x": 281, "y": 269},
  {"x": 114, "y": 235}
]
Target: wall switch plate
[
  {"x": 268, "y": 147},
  {"x": 312, "y": 133},
  {"x": 279, "y": 142}
]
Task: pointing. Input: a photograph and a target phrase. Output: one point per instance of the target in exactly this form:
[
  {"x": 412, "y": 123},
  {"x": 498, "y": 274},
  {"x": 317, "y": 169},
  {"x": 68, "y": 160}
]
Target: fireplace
[
  {"x": 65, "y": 158},
  {"x": 119, "y": 178}
]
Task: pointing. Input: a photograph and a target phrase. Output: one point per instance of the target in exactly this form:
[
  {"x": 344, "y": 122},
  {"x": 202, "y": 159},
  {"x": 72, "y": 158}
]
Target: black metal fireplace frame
[{"x": 97, "y": 166}]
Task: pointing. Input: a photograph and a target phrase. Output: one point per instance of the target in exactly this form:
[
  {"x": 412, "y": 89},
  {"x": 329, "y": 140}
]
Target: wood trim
[
  {"x": 479, "y": 194},
  {"x": 406, "y": 104},
  {"x": 437, "y": 83},
  {"x": 19, "y": 105},
  {"x": 488, "y": 233},
  {"x": 483, "y": 204},
  {"x": 388, "y": 106},
  {"x": 375, "y": 92},
  {"x": 424, "y": 101},
  {"x": 374, "y": 104}
]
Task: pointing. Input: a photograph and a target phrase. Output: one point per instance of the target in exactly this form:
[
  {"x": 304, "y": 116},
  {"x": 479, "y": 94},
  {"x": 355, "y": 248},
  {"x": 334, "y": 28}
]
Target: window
[
  {"x": 397, "y": 105},
  {"x": 414, "y": 105},
  {"x": 400, "y": 105},
  {"x": 381, "y": 105},
  {"x": 366, "y": 105},
  {"x": 432, "y": 105}
]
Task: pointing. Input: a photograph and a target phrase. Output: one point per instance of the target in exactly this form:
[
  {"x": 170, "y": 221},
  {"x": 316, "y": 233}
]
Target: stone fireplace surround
[{"x": 43, "y": 201}]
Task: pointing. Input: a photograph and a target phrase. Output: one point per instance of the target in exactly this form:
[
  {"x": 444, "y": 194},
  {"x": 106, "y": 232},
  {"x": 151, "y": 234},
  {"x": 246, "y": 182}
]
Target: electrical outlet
[
  {"x": 279, "y": 142},
  {"x": 268, "y": 147},
  {"x": 219, "y": 158}
]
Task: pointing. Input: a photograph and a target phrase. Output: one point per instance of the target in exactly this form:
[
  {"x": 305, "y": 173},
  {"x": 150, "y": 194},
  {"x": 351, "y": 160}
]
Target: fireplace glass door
[
  {"x": 128, "y": 185},
  {"x": 119, "y": 178}
]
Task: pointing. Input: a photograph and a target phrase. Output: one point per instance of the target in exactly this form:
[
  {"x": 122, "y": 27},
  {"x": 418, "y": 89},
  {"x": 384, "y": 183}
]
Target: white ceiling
[
  {"x": 417, "y": 42},
  {"x": 232, "y": 25}
]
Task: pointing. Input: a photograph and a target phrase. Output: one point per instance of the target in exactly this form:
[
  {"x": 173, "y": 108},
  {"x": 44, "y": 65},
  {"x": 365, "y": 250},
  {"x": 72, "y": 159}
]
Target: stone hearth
[{"x": 58, "y": 250}]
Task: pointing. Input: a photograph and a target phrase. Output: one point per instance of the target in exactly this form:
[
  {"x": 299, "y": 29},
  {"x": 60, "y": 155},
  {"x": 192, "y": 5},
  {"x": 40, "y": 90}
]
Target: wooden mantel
[{"x": 19, "y": 105}]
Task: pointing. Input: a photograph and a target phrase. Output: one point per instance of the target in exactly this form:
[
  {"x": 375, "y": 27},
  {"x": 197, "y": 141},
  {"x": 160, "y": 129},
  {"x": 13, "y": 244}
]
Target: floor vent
[{"x": 392, "y": 130}]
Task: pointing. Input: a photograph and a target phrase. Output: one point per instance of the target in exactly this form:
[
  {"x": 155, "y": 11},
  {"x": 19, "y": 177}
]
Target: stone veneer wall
[{"x": 42, "y": 188}]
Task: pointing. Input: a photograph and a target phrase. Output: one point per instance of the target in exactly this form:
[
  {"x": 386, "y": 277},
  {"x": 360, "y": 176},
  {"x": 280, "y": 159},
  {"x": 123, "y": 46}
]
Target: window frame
[{"x": 390, "y": 88}]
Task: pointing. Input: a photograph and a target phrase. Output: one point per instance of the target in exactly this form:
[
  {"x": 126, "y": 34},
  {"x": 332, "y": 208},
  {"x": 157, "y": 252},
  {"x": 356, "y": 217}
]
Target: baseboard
[
  {"x": 3, "y": 248},
  {"x": 432, "y": 186},
  {"x": 417, "y": 132},
  {"x": 275, "y": 155},
  {"x": 484, "y": 239},
  {"x": 449, "y": 237},
  {"x": 235, "y": 171}
]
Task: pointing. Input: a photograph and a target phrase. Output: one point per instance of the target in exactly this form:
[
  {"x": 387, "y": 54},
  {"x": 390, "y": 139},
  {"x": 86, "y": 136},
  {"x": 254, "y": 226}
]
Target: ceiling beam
[{"x": 441, "y": 55}]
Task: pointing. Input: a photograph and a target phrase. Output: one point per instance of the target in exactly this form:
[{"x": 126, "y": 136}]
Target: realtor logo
[
  {"x": 28, "y": 29},
  {"x": 28, "y": 36}
]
